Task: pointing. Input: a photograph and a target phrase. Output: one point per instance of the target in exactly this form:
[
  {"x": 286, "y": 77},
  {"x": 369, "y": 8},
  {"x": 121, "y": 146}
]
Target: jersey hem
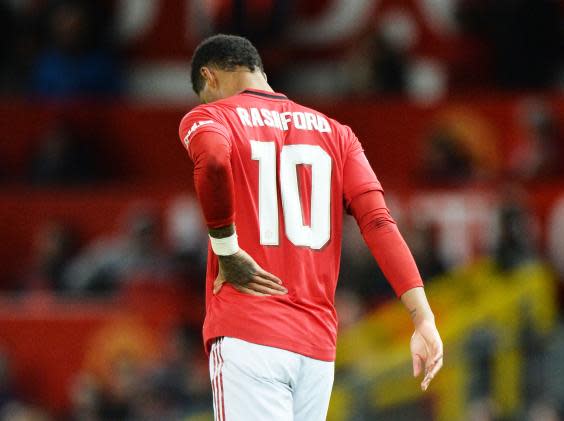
[{"x": 275, "y": 342}]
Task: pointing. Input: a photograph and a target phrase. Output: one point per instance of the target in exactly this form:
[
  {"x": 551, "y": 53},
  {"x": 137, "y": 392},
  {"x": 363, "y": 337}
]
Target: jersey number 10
[{"x": 318, "y": 233}]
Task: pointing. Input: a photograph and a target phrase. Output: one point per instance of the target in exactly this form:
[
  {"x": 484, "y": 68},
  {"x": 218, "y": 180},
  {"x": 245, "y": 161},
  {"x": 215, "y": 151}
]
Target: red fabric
[
  {"x": 213, "y": 178},
  {"x": 304, "y": 320},
  {"x": 358, "y": 176},
  {"x": 385, "y": 242}
]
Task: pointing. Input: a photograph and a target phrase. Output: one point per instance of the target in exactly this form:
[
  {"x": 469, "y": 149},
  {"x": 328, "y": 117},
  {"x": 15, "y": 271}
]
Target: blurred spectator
[
  {"x": 359, "y": 272},
  {"x": 53, "y": 247},
  {"x": 18, "y": 44},
  {"x": 6, "y": 393},
  {"x": 170, "y": 388},
  {"x": 179, "y": 384},
  {"x": 78, "y": 59},
  {"x": 392, "y": 42},
  {"x": 538, "y": 154},
  {"x": 63, "y": 157},
  {"x": 6, "y": 34},
  {"x": 85, "y": 398},
  {"x": 514, "y": 246},
  {"x": 11, "y": 407},
  {"x": 462, "y": 145},
  {"x": 423, "y": 243},
  {"x": 133, "y": 254},
  {"x": 380, "y": 63},
  {"x": 187, "y": 238},
  {"x": 480, "y": 350},
  {"x": 525, "y": 38},
  {"x": 349, "y": 306},
  {"x": 446, "y": 160},
  {"x": 262, "y": 22},
  {"x": 481, "y": 410},
  {"x": 119, "y": 396},
  {"x": 553, "y": 370},
  {"x": 543, "y": 411},
  {"x": 18, "y": 411}
]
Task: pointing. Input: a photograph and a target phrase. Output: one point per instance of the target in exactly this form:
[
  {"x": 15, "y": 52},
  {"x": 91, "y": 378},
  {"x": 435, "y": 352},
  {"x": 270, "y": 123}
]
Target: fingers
[
  {"x": 417, "y": 365},
  {"x": 275, "y": 287},
  {"x": 249, "y": 291},
  {"x": 258, "y": 284},
  {"x": 258, "y": 287},
  {"x": 434, "y": 352},
  {"x": 433, "y": 368},
  {"x": 242, "y": 271},
  {"x": 269, "y": 276}
]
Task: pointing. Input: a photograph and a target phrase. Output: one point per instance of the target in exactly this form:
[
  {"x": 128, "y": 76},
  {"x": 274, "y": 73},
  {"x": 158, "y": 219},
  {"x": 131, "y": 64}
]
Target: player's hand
[
  {"x": 426, "y": 351},
  {"x": 245, "y": 275}
]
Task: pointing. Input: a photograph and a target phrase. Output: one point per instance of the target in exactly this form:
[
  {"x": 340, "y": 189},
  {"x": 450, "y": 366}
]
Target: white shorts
[{"x": 253, "y": 382}]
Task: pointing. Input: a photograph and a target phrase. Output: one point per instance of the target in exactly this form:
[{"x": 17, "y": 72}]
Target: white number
[
  {"x": 265, "y": 154},
  {"x": 318, "y": 233}
]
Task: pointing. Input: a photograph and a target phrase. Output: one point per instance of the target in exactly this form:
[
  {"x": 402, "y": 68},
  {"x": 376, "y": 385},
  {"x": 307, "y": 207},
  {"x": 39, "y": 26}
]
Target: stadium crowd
[{"x": 73, "y": 48}]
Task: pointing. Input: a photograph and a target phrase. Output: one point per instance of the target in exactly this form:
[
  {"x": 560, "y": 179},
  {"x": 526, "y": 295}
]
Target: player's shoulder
[
  {"x": 203, "y": 117},
  {"x": 202, "y": 110},
  {"x": 202, "y": 114}
]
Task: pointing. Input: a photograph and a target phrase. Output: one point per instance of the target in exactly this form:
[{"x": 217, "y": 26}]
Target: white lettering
[
  {"x": 277, "y": 120},
  {"x": 299, "y": 120},
  {"x": 286, "y": 118},
  {"x": 267, "y": 117},
  {"x": 244, "y": 116},
  {"x": 311, "y": 121},
  {"x": 255, "y": 116},
  {"x": 323, "y": 125}
]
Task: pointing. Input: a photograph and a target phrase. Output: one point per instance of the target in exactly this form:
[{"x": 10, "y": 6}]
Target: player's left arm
[
  {"x": 364, "y": 198},
  {"x": 396, "y": 261},
  {"x": 213, "y": 181}
]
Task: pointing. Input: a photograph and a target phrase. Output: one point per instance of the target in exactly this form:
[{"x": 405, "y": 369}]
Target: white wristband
[{"x": 225, "y": 246}]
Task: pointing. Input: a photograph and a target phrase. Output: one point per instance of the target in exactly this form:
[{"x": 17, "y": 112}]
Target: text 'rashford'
[{"x": 254, "y": 117}]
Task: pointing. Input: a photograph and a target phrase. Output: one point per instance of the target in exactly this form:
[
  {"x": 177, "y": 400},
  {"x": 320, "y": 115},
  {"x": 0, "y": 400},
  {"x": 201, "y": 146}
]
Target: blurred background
[{"x": 460, "y": 107}]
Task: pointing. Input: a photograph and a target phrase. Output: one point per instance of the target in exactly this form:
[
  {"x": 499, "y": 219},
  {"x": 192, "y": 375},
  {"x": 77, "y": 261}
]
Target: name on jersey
[
  {"x": 255, "y": 117},
  {"x": 194, "y": 127}
]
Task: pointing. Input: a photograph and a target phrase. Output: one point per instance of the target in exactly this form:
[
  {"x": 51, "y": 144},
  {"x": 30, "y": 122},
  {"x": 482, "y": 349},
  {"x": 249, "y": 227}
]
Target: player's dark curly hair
[{"x": 225, "y": 52}]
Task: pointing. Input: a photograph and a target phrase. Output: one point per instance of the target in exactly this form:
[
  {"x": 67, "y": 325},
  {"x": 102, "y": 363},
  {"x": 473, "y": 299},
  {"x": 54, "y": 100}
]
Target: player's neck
[{"x": 254, "y": 80}]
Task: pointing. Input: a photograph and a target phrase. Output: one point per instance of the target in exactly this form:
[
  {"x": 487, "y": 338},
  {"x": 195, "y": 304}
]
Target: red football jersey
[{"x": 295, "y": 172}]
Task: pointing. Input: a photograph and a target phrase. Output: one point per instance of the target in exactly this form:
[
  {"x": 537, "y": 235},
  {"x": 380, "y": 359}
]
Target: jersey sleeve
[
  {"x": 213, "y": 178},
  {"x": 358, "y": 175},
  {"x": 201, "y": 120}
]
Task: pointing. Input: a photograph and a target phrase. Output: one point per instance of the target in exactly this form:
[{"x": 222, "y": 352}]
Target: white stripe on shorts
[{"x": 217, "y": 380}]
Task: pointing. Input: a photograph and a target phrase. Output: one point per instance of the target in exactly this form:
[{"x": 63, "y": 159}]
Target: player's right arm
[
  {"x": 209, "y": 148},
  {"x": 364, "y": 198}
]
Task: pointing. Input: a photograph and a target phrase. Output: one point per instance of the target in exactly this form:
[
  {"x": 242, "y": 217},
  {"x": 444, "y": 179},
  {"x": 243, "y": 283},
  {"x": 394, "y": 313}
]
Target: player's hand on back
[{"x": 246, "y": 276}]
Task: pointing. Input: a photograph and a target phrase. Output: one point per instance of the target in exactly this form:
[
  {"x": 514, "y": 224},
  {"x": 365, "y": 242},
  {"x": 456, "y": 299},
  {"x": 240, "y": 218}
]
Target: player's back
[{"x": 288, "y": 167}]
